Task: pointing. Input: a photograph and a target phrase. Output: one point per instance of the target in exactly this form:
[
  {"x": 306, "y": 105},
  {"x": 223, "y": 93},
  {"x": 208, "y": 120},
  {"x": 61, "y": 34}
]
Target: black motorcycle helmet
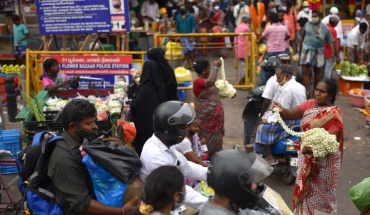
[
  {"x": 232, "y": 173},
  {"x": 168, "y": 119},
  {"x": 270, "y": 64}
]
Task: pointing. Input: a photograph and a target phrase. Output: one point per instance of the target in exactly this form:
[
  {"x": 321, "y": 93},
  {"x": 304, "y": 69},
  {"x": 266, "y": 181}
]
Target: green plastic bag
[{"x": 360, "y": 195}]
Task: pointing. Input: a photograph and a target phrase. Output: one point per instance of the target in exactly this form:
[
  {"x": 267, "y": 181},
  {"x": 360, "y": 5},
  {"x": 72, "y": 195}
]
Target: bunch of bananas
[{"x": 11, "y": 69}]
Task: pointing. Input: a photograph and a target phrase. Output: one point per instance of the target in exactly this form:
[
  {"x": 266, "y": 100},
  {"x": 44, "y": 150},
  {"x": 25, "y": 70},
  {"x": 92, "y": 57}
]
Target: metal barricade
[{"x": 211, "y": 44}]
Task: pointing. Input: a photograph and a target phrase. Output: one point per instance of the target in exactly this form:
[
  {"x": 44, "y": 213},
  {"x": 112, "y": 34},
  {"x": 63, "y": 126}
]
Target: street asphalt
[{"x": 355, "y": 166}]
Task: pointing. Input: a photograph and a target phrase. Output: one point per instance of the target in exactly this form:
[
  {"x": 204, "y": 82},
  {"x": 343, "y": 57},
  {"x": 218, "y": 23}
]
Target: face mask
[
  {"x": 281, "y": 83},
  {"x": 177, "y": 138},
  {"x": 183, "y": 11},
  {"x": 216, "y": 7},
  {"x": 284, "y": 8},
  {"x": 315, "y": 20},
  {"x": 178, "y": 204},
  {"x": 358, "y": 19},
  {"x": 273, "y": 10},
  {"x": 306, "y": 9},
  {"x": 90, "y": 135},
  {"x": 117, "y": 6}
]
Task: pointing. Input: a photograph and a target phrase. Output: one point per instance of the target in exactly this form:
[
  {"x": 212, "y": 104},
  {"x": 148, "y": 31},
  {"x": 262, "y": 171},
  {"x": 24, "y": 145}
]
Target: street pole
[{"x": 2, "y": 112}]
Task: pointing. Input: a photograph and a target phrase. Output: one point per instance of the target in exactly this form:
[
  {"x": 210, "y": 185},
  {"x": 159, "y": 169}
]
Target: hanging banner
[
  {"x": 95, "y": 72},
  {"x": 82, "y": 16}
]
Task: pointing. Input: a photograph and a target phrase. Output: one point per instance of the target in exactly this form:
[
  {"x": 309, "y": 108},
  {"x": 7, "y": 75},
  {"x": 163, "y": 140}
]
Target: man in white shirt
[
  {"x": 355, "y": 42},
  {"x": 305, "y": 12},
  {"x": 170, "y": 120},
  {"x": 149, "y": 11},
  {"x": 239, "y": 11},
  {"x": 338, "y": 28},
  {"x": 290, "y": 94}
]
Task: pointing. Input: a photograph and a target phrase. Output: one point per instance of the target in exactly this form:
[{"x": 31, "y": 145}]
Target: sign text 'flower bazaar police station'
[
  {"x": 95, "y": 71},
  {"x": 82, "y": 16}
]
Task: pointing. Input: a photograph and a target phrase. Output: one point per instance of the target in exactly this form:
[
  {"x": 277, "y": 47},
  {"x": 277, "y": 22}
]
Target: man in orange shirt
[{"x": 291, "y": 16}]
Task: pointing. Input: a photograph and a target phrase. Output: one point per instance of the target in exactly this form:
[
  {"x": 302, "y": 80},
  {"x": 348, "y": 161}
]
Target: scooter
[{"x": 284, "y": 150}]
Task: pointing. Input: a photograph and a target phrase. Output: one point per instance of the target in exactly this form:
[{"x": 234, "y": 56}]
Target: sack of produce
[
  {"x": 182, "y": 74},
  {"x": 360, "y": 195}
]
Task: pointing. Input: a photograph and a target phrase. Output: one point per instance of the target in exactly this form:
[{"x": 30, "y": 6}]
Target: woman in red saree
[
  {"x": 317, "y": 178},
  {"x": 208, "y": 105}
]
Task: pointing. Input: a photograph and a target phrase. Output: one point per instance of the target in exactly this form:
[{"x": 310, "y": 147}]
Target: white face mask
[
  {"x": 216, "y": 7},
  {"x": 315, "y": 20},
  {"x": 358, "y": 19},
  {"x": 306, "y": 9}
]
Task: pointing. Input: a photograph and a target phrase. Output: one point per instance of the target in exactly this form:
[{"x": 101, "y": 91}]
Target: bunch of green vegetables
[
  {"x": 363, "y": 70},
  {"x": 352, "y": 69},
  {"x": 34, "y": 105},
  {"x": 346, "y": 68}
]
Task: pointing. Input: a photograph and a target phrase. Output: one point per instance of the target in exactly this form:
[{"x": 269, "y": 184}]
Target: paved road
[
  {"x": 356, "y": 156},
  {"x": 355, "y": 165}
]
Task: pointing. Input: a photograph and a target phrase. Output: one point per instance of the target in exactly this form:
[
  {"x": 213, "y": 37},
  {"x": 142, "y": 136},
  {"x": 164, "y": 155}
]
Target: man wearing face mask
[
  {"x": 360, "y": 18},
  {"x": 117, "y": 6},
  {"x": 185, "y": 24},
  {"x": 290, "y": 94},
  {"x": 170, "y": 121},
  {"x": 305, "y": 12},
  {"x": 338, "y": 28},
  {"x": 329, "y": 63},
  {"x": 355, "y": 41},
  {"x": 314, "y": 36},
  {"x": 240, "y": 10},
  {"x": 68, "y": 174},
  {"x": 233, "y": 176}
]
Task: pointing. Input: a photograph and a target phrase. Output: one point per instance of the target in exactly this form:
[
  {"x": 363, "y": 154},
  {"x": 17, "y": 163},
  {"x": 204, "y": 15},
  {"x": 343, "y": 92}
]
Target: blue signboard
[{"x": 82, "y": 16}]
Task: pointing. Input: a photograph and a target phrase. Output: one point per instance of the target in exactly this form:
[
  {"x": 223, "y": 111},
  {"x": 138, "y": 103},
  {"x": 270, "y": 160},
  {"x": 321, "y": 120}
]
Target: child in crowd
[{"x": 193, "y": 148}]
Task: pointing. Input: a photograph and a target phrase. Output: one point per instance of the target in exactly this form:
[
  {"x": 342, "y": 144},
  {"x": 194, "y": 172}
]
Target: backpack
[{"x": 34, "y": 183}]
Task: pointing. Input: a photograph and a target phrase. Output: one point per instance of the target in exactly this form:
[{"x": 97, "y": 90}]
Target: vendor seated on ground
[{"x": 53, "y": 81}]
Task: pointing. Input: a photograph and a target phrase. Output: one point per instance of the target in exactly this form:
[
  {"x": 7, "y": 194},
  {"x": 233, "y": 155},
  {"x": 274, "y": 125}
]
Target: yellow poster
[{"x": 276, "y": 201}]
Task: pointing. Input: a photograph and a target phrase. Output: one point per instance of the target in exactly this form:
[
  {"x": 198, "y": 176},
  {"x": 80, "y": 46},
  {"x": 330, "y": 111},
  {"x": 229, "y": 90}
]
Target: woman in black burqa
[
  {"x": 151, "y": 93},
  {"x": 169, "y": 78}
]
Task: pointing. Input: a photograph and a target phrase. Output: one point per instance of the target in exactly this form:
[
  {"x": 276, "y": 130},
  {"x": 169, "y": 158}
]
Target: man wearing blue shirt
[
  {"x": 21, "y": 35},
  {"x": 185, "y": 24}
]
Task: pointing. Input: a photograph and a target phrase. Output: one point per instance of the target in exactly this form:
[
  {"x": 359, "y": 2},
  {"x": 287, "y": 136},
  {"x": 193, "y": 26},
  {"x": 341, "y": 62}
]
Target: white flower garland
[
  {"x": 318, "y": 139},
  {"x": 225, "y": 89}
]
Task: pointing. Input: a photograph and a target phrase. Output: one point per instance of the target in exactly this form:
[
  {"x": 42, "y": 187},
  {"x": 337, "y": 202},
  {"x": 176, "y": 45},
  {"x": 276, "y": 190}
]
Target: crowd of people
[{"x": 175, "y": 140}]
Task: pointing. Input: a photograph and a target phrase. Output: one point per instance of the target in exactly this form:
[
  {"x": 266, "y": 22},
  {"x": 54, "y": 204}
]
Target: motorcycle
[{"x": 284, "y": 150}]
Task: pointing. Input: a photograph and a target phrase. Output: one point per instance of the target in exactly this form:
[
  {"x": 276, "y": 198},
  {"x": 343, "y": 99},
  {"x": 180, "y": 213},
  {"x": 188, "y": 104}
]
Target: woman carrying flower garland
[
  {"x": 208, "y": 105},
  {"x": 317, "y": 178}
]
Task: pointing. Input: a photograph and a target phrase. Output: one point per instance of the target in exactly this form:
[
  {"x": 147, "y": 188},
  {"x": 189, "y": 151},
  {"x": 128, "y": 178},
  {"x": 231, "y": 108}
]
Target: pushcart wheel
[{"x": 14, "y": 209}]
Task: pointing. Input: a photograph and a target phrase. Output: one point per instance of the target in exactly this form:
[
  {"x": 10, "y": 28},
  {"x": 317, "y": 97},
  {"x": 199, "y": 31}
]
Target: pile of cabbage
[
  {"x": 352, "y": 69},
  {"x": 120, "y": 87}
]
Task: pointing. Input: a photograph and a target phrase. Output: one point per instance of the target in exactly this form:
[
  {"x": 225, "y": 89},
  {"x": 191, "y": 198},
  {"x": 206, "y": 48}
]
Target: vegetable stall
[{"x": 351, "y": 76}]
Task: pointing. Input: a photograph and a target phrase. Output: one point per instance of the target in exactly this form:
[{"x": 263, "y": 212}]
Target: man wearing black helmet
[
  {"x": 233, "y": 175},
  {"x": 170, "y": 121}
]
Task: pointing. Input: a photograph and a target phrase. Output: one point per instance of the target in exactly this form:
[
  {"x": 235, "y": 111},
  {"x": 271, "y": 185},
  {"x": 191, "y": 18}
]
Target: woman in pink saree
[{"x": 317, "y": 178}]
